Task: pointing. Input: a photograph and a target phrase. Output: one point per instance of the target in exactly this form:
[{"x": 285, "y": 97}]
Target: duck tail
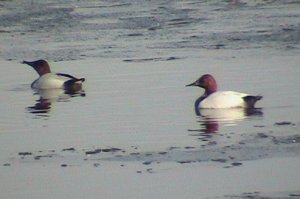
[
  {"x": 76, "y": 80},
  {"x": 250, "y": 100},
  {"x": 74, "y": 84}
]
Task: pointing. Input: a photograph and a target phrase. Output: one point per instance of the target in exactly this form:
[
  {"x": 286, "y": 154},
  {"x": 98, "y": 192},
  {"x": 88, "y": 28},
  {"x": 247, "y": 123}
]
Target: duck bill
[
  {"x": 28, "y": 63},
  {"x": 193, "y": 84}
]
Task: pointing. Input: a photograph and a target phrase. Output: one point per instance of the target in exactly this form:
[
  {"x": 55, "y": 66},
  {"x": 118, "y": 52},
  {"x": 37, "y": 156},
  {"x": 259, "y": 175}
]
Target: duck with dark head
[
  {"x": 49, "y": 80},
  {"x": 214, "y": 99}
]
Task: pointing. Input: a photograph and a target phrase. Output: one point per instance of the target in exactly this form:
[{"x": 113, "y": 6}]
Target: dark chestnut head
[
  {"x": 40, "y": 66},
  {"x": 207, "y": 82}
]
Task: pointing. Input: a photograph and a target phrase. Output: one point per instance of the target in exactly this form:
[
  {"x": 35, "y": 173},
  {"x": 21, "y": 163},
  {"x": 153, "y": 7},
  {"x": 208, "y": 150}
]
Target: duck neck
[
  {"x": 44, "y": 70},
  {"x": 210, "y": 90},
  {"x": 197, "y": 102}
]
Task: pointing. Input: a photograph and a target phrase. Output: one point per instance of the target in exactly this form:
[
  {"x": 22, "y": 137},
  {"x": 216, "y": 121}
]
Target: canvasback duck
[
  {"x": 49, "y": 80},
  {"x": 212, "y": 98}
]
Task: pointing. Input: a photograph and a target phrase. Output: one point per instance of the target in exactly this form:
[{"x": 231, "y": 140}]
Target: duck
[
  {"x": 50, "y": 80},
  {"x": 215, "y": 99}
]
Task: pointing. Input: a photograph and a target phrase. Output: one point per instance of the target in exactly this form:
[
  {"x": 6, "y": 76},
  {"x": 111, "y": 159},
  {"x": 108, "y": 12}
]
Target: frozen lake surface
[{"x": 133, "y": 132}]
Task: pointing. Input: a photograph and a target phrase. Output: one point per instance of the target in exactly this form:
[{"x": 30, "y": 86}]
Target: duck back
[
  {"x": 48, "y": 81},
  {"x": 224, "y": 99}
]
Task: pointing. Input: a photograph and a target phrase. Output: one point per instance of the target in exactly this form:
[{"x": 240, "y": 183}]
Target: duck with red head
[
  {"x": 49, "y": 80},
  {"x": 207, "y": 82},
  {"x": 212, "y": 98},
  {"x": 40, "y": 66}
]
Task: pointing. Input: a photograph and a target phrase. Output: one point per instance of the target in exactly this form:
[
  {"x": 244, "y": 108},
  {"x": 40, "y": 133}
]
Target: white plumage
[
  {"x": 214, "y": 99},
  {"x": 224, "y": 99},
  {"x": 49, "y": 81}
]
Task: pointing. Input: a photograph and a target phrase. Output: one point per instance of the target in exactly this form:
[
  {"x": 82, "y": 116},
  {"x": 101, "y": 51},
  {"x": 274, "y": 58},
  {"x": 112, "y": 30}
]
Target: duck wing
[
  {"x": 73, "y": 84},
  {"x": 71, "y": 77}
]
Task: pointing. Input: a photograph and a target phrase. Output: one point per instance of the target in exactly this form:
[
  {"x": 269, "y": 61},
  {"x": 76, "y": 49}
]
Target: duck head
[
  {"x": 40, "y": 66},
  {"x": 207, "y": 82}
]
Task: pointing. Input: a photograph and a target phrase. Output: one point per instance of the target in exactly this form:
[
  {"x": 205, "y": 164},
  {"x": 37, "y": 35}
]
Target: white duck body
[
  {"x": 214, "y": 99},
  {"x": 49, "y": 81},
  {"x": 224, "y": 99}
]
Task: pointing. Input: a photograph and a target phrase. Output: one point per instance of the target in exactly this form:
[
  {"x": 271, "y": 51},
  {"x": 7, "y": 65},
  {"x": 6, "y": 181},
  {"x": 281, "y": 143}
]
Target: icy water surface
[{"x": 135, "y": 115}]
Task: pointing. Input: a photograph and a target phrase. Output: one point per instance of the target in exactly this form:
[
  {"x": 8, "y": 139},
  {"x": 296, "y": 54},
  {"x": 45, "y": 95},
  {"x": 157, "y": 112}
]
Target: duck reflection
[
  {"x": 210, "y": 119},
  {"x": 48, "y": 96}
]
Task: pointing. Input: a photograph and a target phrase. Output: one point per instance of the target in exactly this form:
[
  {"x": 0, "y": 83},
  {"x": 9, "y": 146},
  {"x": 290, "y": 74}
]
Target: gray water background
[
  {"x": 135, "y": 115},
  {"x": 137, "y": 57}
]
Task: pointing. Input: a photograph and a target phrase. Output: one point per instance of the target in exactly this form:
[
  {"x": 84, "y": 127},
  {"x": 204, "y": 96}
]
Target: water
[
  {"x": 137, "y": 57},
  {"x": 73, "y": 30}
]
